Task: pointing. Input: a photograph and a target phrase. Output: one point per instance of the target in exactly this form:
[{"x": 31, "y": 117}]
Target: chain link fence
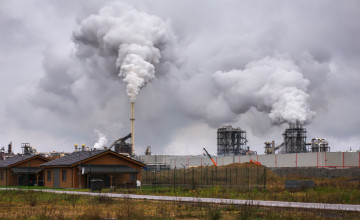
[{"x": 207, "y": 176}]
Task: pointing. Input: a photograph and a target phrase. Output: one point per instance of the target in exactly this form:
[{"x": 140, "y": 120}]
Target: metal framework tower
[
  {"x": 295, "y": 139},
  {"x": 231, "y": 141}
]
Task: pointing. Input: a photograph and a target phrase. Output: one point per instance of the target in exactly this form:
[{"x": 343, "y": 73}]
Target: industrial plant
[
  {"x": 232, "y": 147},
  {"x": 231, "y": 141}
]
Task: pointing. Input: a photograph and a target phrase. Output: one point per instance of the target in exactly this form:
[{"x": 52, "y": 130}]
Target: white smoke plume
[
  {"x": 274, "y": 85},
  {"x": 102, "y": 140},
  {"x": 225, "y": 72},
  {"x": 135, "y": 39}
]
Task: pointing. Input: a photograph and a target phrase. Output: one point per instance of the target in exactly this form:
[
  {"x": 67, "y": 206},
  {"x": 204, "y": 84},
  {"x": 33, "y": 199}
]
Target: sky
[{"x": 69, "y": 70}]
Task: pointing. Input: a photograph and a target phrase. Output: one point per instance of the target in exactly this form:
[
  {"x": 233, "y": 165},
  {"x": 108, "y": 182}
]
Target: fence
[
  {"x": 206, "y": 176},
  {"x": 313, "y": 172}
]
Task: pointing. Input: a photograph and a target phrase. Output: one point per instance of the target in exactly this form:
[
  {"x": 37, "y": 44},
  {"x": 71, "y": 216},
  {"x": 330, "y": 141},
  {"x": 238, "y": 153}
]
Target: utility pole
[{"x": 79, "y": 166}]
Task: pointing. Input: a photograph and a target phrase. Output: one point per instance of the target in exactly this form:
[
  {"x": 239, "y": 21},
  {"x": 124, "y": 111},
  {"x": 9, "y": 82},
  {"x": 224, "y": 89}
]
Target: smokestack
[
  {"x": 10, "y": 148},
  {"x": 132, "y": 129}
]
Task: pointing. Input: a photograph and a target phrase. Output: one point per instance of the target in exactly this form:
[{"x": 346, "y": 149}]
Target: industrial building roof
[
  {"x": 16, "y": 159},
  {"x": 80, "y": 156}
]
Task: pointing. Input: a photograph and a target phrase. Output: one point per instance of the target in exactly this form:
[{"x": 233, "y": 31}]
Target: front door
[{"x": 56, "y": 177}]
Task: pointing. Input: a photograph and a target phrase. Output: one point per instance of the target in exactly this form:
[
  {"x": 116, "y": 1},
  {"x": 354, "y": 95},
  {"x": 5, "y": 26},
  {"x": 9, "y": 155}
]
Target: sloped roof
[
  {"x": 16, "y": 159},
  {"x": 80, "y": 156},
  {"x": 75, "y": 157}
]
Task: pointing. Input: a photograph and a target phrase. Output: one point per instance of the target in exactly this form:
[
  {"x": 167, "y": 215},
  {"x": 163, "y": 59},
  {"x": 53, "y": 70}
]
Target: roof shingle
[
  {"x": 13, "y": 160},
  {"x": 73, "y": 158}
]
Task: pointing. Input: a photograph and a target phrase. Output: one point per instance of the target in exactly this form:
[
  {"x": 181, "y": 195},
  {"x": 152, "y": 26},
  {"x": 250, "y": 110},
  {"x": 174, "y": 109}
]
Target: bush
[{"x": 214, "y": 214}]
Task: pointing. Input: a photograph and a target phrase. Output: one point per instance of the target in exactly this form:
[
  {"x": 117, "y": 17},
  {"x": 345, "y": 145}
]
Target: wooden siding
[
  {"x": 10, "y": 179},
  {"x": 36, "y": 162},
  {"x": 3, "y": 180},
  {"x": 110, "y": 159},
  {"x": 68, "y": 182},
  {"x": 72, "y": 179},
  {"x": 46, "y": 182}
]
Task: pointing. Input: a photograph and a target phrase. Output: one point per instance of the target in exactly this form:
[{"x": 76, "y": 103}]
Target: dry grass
[
  {"x": 248, "y": 181},
  {"x": 55, "y": 206}
]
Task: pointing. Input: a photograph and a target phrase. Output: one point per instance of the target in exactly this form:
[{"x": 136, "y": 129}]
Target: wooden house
[
  {"x": 76, "y": 170},
  {"x": 22, "y": 170}
]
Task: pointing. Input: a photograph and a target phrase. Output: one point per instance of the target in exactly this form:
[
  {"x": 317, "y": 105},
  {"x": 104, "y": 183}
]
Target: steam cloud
[
  {"x": 225, "y": 71},
  {"x": 129, "y": 43},
  {"x": 135, "y": 38},
  {"x": 102, "y": 140},
  {"x": 273, "y": 84}
]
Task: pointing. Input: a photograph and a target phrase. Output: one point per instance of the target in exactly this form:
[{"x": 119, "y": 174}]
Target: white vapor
[
  {"x": 254, "y": 66},
  {"x": 102, "y": 140},
  {"x": 273, "y": 84},
  {"x": 135, "y": 38}
]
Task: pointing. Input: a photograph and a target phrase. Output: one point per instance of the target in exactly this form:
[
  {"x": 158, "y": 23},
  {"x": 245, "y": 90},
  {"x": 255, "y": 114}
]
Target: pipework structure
[
  {"x": 295, "y": 139},
  {"x": 319, "y": 145},
  {"x": 231, "y": 141}
]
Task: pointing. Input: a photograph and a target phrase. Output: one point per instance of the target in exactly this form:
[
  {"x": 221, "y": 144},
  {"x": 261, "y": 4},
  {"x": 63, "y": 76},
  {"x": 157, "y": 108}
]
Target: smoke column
[
  {"x": 132, "y": 39},
  {"x": 135, "y": 39},
  {"x": 273, "y": 84},
  {"x": 102, "y": 140}
]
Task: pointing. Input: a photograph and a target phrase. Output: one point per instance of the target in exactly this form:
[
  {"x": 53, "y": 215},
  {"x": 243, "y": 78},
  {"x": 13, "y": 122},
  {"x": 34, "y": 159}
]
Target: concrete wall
[{"x": 315, "y": 159}]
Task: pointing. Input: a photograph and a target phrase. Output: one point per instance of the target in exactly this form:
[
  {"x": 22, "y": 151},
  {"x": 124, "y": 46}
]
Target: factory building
[
  {"x": 294, "y": 139},
  {"x": 6, "y": 154},
  {"x": 231, "y": 148},
  {"x": 231, "y": 141},
  {"x": 295, "y": 142},
  {"x": 76, "y": 170}
]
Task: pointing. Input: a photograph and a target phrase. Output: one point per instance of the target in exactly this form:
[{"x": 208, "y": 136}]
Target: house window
[
  {"x": 2, "y": 175},
  {"x": 48, "y": 175},
  {"x": 64, "y": 175}
]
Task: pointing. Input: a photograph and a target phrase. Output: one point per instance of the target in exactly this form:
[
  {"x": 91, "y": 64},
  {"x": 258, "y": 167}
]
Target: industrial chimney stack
[{"x": 132, "y": 120}]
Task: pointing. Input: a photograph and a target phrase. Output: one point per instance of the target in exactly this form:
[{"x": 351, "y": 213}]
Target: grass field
[
  {"x": 326, "y": 190},
  {"x": 18, "y": 204}
]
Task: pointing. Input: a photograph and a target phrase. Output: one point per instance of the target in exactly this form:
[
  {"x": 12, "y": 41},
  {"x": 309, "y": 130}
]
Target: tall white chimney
[{"x": 132, "y": 129}]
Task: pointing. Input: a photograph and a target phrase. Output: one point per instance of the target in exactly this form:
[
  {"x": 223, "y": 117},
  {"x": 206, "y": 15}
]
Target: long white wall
[{"x": 320, "y": 159}]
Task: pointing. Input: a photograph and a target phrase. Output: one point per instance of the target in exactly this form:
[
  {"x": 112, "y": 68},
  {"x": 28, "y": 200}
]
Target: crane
[{"x": 210, "y": 157}]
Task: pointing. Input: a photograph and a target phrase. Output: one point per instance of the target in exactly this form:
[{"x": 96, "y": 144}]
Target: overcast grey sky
[{"x": 252, "y": 64}]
